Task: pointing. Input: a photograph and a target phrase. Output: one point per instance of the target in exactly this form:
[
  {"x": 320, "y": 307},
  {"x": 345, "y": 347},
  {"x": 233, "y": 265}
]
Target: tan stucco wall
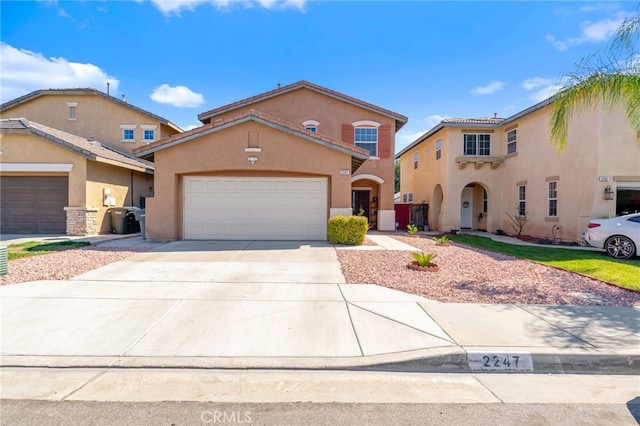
[
  {"x": 26, "y": 148},
  {"x": 223, "y": 152},
  {"x": 600, "y": 144},
  {"x": 96, "y": 116},
  {"x": 118, "y": 181},
  {"x": 303, "y": 104},
  {"x": 87, "y": 178}
]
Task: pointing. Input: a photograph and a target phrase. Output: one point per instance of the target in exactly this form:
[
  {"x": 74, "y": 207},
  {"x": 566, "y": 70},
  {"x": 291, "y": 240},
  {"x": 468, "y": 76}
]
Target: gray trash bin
[{"x": 124, "y": 220}]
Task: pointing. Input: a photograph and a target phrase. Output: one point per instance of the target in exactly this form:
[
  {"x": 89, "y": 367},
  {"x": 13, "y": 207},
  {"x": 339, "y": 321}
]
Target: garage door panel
[
  {"x": 33, "y": 204},
  {"x": 255, "y": 208}
]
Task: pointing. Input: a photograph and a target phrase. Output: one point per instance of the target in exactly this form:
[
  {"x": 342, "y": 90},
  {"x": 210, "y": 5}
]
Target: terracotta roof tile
[
  {"x": 171, "y": 140},
  {"x": 208, "y": 115}
]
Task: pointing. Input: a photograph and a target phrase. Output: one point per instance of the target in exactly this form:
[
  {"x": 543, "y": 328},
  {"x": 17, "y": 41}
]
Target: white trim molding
[
  {"x": 365, "y": 123},
  {"x": 367, "y": 176},
  {"x": 313, "y": 123},
  {"x": 36, "y": 167},
  {"x": 148, "y": 126}
]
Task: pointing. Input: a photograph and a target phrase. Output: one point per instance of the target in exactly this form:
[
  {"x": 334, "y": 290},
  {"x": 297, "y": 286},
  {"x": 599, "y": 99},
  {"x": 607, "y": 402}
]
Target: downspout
[{"x": 132, "y": 188}]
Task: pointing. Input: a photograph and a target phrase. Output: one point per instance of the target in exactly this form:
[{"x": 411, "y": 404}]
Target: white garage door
[{"x": 234, "y": 208}]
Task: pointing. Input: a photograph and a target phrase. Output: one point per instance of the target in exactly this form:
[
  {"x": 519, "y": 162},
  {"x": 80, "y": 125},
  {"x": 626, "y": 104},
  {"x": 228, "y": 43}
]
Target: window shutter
[
  {"x": 347, "y": 133},
  {"x": 384, "y": 141}
]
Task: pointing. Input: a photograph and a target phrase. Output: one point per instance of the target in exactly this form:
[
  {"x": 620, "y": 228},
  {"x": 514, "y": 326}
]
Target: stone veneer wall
[{"x": 82, "y": 221}]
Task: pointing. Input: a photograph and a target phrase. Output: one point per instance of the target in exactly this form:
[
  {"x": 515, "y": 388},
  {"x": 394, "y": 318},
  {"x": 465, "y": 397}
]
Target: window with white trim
[
  {"x": 522, "y": 200},
  {"x": 367, "y": 138},
  {"x": 73, "y": 111},
  {"x": 552, "y": 199},
  {"x": 477, "y": 144},
  {"x": 410, "y": 197},
  {"x": 148, "y": 132},
  {"x": 311, "y": 125},
  {"x": 404, "y": 198},
  {"x": 512, "y": 146},
  {"x": 415, "y": 160},
  {"x": 438, "y": 149},
  {"x": 128, "y": 132}
]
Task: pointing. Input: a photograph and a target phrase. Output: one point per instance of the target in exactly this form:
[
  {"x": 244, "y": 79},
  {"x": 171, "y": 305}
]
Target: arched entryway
[
  {"x": 365, "y": 197},
  {"x": 474, "y": 202}
]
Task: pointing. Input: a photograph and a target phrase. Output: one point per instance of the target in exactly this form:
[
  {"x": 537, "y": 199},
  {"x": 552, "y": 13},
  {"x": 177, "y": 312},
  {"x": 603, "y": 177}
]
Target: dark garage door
[{"x": 34, "y": 204}]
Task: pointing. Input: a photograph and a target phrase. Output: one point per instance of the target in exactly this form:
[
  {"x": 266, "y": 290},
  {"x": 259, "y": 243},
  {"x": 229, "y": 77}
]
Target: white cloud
[
  {"x": 540, "y": 88},
  {"x": 24, "y": 71},
  {"x": 175, "y": 7},
  {"x": 190, "y": 127},
  {"x": 490, "y": 88},
  {"x": 590, "y": 32},
  {"x": 178, "y": 96},
  {"x": 535, "y": 82},
  {"x": 597, "y": 7},
  {"x": 435, "y": 119}
]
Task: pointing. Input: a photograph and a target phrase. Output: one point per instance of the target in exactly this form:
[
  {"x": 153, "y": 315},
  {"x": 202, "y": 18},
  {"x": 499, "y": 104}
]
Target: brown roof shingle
[{"x": 92, "y": 150}]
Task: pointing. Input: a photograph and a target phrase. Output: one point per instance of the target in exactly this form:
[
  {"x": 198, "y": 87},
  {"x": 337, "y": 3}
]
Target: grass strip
[
  {"x": 623, "y": 273},
  {"x": 36, "y": 248}
]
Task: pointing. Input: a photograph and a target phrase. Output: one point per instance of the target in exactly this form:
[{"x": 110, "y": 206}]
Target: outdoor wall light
[
  {"x": 608, "y": 193},
  {"x": 252, "y": 159}
]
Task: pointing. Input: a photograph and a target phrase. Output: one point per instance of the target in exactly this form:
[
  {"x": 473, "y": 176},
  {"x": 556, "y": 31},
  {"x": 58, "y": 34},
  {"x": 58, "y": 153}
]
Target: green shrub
[
  {"x": 413, "y": 230},
  {"x": 442, "y": 240},
  {"x": 423, "y": 259},
  {"x": 349, "y": 230}
]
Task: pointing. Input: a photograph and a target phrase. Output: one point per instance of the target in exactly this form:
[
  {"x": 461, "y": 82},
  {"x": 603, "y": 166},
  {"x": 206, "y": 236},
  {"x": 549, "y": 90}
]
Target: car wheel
[{"x": 620, "y": 247}]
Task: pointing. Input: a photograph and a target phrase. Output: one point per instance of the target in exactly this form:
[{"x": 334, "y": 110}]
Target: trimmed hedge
[{"x": 349, "y": 230}]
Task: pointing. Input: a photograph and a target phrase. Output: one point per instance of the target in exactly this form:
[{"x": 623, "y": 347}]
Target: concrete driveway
[{"x": 218, "y": 304}]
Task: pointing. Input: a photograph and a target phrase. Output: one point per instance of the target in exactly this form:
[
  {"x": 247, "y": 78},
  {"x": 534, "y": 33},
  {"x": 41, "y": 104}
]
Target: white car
[{"x": 619, "y": 236}]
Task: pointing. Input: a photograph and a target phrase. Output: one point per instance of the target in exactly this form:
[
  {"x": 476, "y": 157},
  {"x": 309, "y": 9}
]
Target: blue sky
[{"x": 427, "y": 60}]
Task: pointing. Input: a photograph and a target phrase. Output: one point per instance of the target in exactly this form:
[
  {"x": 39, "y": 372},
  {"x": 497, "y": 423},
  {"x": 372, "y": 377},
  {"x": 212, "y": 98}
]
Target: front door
[
  {"x": 466, "y": 208},
  {"x": 360, "y": 201}
]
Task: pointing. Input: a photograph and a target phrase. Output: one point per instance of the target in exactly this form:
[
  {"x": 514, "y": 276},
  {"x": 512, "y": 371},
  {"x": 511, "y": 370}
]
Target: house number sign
[
  {"x": 500, "y": 362},
  {"x": 345, "y": 171}
]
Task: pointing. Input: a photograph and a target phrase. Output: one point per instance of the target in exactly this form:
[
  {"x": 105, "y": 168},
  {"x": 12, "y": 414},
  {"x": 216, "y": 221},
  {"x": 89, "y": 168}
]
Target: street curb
[{"x": 439, "y": 360}]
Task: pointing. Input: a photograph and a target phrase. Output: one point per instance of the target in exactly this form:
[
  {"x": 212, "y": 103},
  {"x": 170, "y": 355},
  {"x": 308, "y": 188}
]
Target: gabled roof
[
  {"x": 358, "y": 155},
  {"x": 205, "y": 117},
  {"x": 85, "y": 91},
  {"x": 475, "y": 123},
  {"x": 92, "y": 150}
]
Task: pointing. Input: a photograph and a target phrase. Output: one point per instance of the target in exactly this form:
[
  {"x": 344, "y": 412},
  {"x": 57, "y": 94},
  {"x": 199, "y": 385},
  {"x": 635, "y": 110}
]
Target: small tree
[{"x": 518, "y": 221}]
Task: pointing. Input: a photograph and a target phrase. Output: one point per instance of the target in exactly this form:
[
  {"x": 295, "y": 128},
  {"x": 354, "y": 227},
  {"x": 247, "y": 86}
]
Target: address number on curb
[{"x": 502, "y": 362}]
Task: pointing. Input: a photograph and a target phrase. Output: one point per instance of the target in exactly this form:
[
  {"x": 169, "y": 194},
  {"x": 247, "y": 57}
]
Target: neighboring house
[
  {"x": 275, "y": 166},
  {"x": 472, "y": 172},
  {"x": 93, "y": 115},
  {"x": 55, "y": 182}
]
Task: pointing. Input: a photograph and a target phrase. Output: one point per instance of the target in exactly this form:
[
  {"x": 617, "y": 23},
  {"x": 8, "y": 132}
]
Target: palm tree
[{"x": 602, "y": 77}]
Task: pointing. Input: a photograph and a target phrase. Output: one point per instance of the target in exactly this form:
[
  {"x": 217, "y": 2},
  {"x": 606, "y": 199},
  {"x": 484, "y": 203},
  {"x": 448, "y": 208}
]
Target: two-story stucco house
[
  {"x": 66, "y": 158},
  {"x": 472, "y": 172},
  {"x": 275, "y": 166}
]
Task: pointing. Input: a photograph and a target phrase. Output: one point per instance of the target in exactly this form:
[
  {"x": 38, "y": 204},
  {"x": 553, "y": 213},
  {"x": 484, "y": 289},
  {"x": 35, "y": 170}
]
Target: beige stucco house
[
  {"x": 55, "y": 182},
  {"x": 472, "y": 172},
  {"x": 275, "y": 166},
  {"x": 80, "y": 141},
  {"x": 93, "y": 115}
]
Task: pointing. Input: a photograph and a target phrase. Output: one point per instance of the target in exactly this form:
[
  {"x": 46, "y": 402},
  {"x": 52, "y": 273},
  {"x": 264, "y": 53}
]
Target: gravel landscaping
[
  {"x": 67, "y": 264},
  {"x": 467, "y": 275},
  {"x": 470, "y": 275}
]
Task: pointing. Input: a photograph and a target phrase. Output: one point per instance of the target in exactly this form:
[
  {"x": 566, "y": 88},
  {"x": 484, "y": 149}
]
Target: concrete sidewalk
[{"x": 285, "y": 305}]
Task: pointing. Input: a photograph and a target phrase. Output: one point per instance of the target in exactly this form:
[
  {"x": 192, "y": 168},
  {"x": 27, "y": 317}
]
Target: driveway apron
[{"x": 213, "y": 304}]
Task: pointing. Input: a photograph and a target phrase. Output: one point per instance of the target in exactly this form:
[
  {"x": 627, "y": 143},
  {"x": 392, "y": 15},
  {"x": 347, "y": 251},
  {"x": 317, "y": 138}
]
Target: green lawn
[
  {"x": 624, "y": 273},
  {"x": 34, "y": 248}
]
